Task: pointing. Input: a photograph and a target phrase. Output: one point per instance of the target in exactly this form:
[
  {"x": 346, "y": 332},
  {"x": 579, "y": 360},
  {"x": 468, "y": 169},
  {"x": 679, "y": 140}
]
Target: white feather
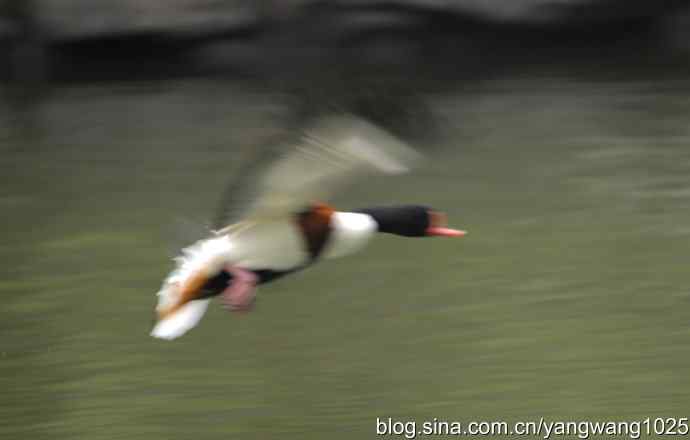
[
  {"x": 209, "y": 255},
  {"x": 351, "y": 232},
  {"x": 186, "y": 318}
]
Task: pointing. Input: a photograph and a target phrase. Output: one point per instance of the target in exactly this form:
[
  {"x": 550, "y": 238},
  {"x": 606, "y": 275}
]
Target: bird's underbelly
[{"x": 277, "y": 246}]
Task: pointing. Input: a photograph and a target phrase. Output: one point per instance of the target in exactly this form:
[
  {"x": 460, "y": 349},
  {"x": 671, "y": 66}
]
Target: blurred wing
[
  {"x": 334, "y": 152},
  {"x": 242, "y": 191}
]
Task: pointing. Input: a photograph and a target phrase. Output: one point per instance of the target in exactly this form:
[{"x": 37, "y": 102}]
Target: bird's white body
[{"x": 278, "y": 245}]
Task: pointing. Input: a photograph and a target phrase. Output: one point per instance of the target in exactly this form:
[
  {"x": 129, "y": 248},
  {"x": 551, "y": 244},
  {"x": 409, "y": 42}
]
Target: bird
[{"x": 286, "y": 226}]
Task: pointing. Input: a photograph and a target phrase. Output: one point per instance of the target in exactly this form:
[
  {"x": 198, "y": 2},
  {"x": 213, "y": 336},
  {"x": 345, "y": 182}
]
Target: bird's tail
[{"x": 180, "y": 322}]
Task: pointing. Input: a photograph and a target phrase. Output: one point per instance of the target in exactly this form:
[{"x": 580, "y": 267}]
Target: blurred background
[{"x": 556, "y": 132}]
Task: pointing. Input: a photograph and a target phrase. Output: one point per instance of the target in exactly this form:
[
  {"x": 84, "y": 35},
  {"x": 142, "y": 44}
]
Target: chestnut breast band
[{"x": 315, "y": 225}]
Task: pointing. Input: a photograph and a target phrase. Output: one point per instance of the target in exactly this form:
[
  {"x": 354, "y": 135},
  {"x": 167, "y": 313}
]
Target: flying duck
[{"x": 286, "y": 229}]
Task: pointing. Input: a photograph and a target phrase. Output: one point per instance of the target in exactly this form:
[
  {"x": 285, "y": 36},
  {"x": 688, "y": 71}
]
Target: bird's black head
[{"x": 411, "y": 221}]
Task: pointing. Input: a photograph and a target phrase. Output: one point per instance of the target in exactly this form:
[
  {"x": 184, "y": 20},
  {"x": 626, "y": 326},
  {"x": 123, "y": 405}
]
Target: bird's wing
[
  {"x": 330, "y": 154},
  {"x": 242, "y": 190}
]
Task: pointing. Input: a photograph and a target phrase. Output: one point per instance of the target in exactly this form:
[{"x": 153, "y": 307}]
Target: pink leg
[{"x": 240, "y": 294}]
